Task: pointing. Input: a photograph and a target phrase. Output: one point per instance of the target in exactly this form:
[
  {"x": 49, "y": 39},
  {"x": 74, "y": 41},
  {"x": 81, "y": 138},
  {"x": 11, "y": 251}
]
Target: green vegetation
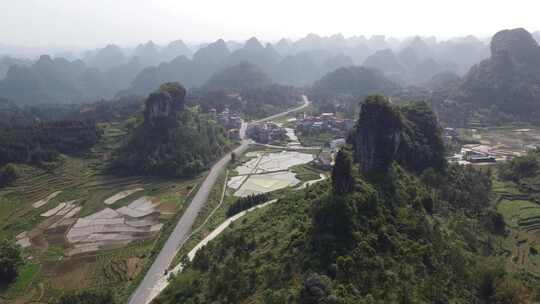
[
  {"x": 517, "y": 193},
  {"x": 514, "y": 210},
  {"x": 315, "y": 246},
  {"x": 342, "y": 179},
  {"x": 400, "y": 238},
  {"x": 8, "y": 174},
  {"x": 43, "y": 142},
  {"x": 27, "y": 274},
  {"x": 10, "y": 260},
  {"x": 519, "y": 168},
  {"x": 88, "y": 297},
  {"x": 253, "y": 103},
  {"x": 503, "y": 86},
  {"x": 244, "y": 203},
  {"x": 315, "y": 139},
  {"x": 172, "y": 140},
  {"x": 407, "y": 134},
  {"x": 83, "y": 177},
  {"x": 306, "y": 172},
  {"x": 211, "y": 215}
]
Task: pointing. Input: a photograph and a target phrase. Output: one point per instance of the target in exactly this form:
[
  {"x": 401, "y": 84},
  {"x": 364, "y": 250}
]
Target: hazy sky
[{"x": 126, "y": 22}]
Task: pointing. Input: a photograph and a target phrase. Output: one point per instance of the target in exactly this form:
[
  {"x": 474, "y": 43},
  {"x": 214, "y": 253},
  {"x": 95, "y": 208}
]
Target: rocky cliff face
[
  {"x": 163, "y": 106},
  {"x": 378, "y": 135},
  {"x": 408, "y": 135},
  {"x": 172, "y": 141}
]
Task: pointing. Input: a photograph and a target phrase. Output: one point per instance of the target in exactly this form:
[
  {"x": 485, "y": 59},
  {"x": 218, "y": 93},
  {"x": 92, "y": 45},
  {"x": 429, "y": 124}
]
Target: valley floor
[{"x": 82, "y": 227}]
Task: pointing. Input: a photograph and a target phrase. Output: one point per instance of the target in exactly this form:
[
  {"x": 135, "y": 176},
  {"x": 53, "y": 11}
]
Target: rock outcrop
[
  {"x": 172, "y": 141},
  {"x": 378, "y": 135},
  {"x": 409, "y": 135},
  {"x": 164, "y": 105}
]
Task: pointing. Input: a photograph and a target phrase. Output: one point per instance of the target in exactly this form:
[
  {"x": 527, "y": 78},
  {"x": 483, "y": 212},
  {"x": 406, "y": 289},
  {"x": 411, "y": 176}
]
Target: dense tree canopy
[
  {"x": 253, "y": 102},
  {"x": 88, "y": 297},
  {"x": 172, "y": 140},
  {"x": 8, "y": 174},
  {"x": 520, "y": 167},
  {"x": 342, "y": 179},
  {"x": 367, "y": 246},
  {"x": 43, "y": 142},
  {"x": 10, "y": 260}
]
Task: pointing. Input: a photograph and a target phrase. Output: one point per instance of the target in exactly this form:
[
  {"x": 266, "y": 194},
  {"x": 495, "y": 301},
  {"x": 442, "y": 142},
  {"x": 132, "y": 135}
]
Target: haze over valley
[{"x": 287, "y": 152}]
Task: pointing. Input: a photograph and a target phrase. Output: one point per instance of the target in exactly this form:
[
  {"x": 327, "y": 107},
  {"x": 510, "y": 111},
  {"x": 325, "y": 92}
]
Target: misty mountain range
[{"x": 114, "y": 71}]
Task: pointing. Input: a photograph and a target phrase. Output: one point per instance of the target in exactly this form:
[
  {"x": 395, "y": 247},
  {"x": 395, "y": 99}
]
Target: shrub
[
  {"x": 8, "y": 174},
  {"x": 10, "y": 260}
]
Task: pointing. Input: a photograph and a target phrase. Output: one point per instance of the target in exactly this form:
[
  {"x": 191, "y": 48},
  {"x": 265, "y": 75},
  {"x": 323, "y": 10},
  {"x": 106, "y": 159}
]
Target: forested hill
[
  {"x": 173, "y": 140},
  {"x": 62, "y": 81},
  {"x": 509, "y": 80},
  {"x": 392, "y": 237},
  {"x": 354, "y": 81},
  {"x": 238, "y": 77}
]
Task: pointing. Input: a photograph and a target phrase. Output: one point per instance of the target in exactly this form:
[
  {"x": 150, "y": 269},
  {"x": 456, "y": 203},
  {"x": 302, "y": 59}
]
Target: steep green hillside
[
  {"x": 384, "y": 236},
  {"x": 362, "y": 247},
  {"x": 173, "y": 140}
]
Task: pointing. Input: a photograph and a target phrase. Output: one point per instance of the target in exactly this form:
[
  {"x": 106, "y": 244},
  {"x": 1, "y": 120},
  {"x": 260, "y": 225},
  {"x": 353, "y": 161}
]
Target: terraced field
[
  {"x": 81, "y": 185},
  {"x": 522, "y": 217}
]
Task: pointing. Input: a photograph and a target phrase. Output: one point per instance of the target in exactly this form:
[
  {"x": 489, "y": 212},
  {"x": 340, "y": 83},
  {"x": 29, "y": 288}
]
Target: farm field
[
  {"x": 256, "y": 162},
  {"x": 270, "y": 170},
  {"x": 224, "y": 196},
  {"x": 511, "y": 140},
  {"x": 521, "y": 213},
  {"x": 82, "y": 227}
]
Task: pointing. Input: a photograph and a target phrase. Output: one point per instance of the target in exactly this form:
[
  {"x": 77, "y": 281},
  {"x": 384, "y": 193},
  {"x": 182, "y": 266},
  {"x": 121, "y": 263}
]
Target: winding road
[{"x": 143, "y": 294}]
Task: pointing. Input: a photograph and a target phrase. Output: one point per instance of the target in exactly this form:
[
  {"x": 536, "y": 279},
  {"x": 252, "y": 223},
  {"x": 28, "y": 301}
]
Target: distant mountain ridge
[{"x": 120, "y": 71}]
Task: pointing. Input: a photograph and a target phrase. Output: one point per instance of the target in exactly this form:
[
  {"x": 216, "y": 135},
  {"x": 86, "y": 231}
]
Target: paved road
[
  {"x": 143, "y": 293},
  {"x": 305, "y": 104}
]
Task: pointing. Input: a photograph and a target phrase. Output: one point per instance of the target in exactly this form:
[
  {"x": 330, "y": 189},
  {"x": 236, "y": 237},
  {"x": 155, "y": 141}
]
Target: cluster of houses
[
  {"x": 466, "y": 154},
  {"x": 325, "y": 122},
  {"x": 231, "y": 121},
  {"x": 266, "y": 132}
]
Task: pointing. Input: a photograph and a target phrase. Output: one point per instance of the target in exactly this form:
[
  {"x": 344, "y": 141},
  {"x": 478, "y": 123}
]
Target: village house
[
  {"x": 325, "y": 122},
  {"x": 265, "y": 133}
]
